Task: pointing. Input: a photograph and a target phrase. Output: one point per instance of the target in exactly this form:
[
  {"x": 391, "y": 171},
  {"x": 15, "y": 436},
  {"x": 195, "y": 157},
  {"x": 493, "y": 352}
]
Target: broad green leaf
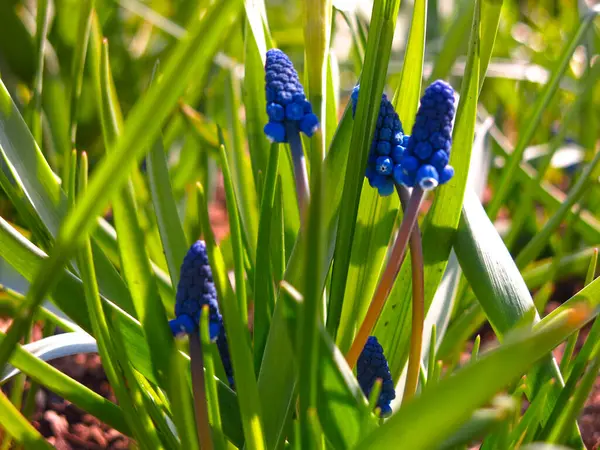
[
  {"x": 499, "y": 287},
  {"x": 264, "y": 289}
]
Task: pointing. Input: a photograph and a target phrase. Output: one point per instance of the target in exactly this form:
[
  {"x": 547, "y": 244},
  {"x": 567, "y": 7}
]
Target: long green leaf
[{"x": 500, "y": 289}]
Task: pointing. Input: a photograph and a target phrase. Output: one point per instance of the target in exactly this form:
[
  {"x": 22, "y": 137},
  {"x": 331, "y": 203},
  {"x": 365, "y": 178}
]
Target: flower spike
[
  {"x": 289, "y": 114},
  {"x": 425, "y": 162},
  {"x": 195, "y": 289},
  {"x": 388, "y": 147},
  {"x": 287, "y": 107},
  {"x": 371, "y": 366}
]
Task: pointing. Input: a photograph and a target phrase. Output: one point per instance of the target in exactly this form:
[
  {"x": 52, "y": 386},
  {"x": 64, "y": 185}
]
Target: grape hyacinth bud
[
  {"x": 287, "y": 107},
  {"x": 372, "y": 365},
  {"x": 194, "y": 290},
  {"x": 387, "y": 148},
  {"x": 425, "y": 161}
]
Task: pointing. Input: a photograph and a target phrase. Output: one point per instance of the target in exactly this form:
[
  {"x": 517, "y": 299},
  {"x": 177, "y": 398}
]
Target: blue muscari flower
[
  {"x": 287, "y": 107},
  {"x": 425, "y": 161},
  {"x": 196, "y": 289},
  {"x": 387, "y": 148},
  {"x": 372, "y": 365}
]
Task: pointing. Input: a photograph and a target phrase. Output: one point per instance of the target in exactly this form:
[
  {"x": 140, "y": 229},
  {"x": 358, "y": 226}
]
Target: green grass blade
[
  {"x": 408, "y": 91},
  {"x": 256, "y": 41},
  {"x": 169, "y": 225},
  {"x": 454, "y": 41},
  {"x": 212, "y": 395},
  {"x": 42, "y": 21},
  {"x": 237, "y": 332},
  {"x": 239, "y": 163},
  {"x": 84, "y": 25},
  {"x": 27, "y": 259},
  {"x": 533, "y": 121},
  {"x": 264, "y": 289},
  {"x": 431, "y": 418},
  {"x": 236, "y": 235},
  {"x": 383, "y": 23}
]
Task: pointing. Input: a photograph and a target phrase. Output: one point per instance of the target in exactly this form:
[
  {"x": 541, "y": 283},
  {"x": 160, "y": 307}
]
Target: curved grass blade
[
  {"x": 264, "y": 289},
  {"x": 37, "y": 369},
  {"x": 500, "y": 289}
]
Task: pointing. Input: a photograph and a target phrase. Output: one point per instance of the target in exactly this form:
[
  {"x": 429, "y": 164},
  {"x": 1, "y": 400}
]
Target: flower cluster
[
  {"x": 425, "y": 162},
  {"x": 196, "y": 288},
  {"x": 287, "y": 107},
  {"x": 372, "y": 365},
  {"x": 387, "y": 148}
]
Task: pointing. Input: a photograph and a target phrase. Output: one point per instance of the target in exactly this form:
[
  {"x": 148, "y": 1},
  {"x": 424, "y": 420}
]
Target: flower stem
[
  {"x": 199, "y": 388},
  {"x": 418, "y": 304},
  {"x": 389, "y": 275},
  {"x": 300, "y": 172}
]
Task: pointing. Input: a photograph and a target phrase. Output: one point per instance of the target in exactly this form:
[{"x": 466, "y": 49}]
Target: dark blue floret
[
  {"x": 388, "y": 147},
  {"x": 196, "y": 289},
  {"x": 287, "y": 107},
  {"x": 372, "y": 365},
  {"x": 425, "y": 160},
  {"x": 223, "y": 347}
]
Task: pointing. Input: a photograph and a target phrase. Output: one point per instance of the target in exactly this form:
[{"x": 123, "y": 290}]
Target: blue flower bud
[
  {"x": 387, "y": 148},
  {"x": 196, "y": 289},
  {"x": 286, "y": 101},
  {"x": 372, "y": 365},
  {"x": 425, "y": 161}
]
